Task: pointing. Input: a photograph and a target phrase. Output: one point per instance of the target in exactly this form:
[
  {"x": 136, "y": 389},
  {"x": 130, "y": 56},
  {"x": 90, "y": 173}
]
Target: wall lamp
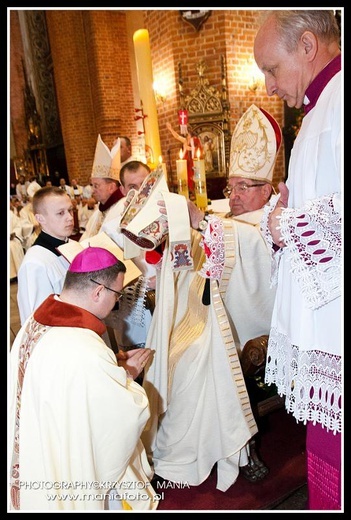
[
  {"x": 160, "y": 91},
  {"x": 255, "y": 78}
]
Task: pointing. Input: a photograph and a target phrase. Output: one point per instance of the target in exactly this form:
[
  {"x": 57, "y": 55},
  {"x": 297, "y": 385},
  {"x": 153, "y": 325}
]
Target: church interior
[
  {"x": 74, "y": 75},
  {"x": 78, "y": 73}
]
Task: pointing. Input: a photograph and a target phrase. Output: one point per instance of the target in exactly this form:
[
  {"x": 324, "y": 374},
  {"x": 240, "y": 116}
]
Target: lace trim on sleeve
[
  {"x": 133, "y": 303},
  {"x": 310, "y": 380},
  {"x": 313, "y": 237}
]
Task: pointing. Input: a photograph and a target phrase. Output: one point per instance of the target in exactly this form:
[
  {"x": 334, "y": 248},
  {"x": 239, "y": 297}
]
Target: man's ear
[
  {"x": 123, "y": 190},
  {"x": 97, "y": 293},
  {"x": 267, "y": 189},
  {"x": 40, "y": 219},
  {"x": 310, "y": 44}
]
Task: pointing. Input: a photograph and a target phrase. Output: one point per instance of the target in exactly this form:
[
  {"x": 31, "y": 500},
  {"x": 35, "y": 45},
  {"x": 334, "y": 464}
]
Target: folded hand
[
  {"x": 134, "y": 360},
  {"x": 274, "y": 216}
]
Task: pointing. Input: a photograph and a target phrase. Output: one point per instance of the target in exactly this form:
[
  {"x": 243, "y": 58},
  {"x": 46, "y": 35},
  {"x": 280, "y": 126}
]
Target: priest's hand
[
  {"x": 134, "y": 361},
  {"x": 195, "y": 214},
  {"x": 274, "y": 216}
]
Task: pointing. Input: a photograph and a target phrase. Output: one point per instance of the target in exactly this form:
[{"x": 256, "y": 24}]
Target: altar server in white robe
[{"x": 43, "y": 269}]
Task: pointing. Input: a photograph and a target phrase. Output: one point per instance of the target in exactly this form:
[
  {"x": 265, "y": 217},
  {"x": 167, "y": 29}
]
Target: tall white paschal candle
[{"x": 145, "y": 81}]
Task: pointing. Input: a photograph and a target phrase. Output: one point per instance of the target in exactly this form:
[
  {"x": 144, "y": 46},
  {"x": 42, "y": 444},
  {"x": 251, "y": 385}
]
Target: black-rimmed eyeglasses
[
  {"x": 118, "y": 294},
  {"x": 239, "y": 188}
]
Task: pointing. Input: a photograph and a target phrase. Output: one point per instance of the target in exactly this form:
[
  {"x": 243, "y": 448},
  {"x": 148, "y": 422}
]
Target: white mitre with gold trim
[
  {"x": 255, "y": 145},
  {"x": 107, "y": 164}
]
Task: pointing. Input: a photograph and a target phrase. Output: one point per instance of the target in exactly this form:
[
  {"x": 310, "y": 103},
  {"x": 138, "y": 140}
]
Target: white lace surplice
[{"x": 305, "y": 347}]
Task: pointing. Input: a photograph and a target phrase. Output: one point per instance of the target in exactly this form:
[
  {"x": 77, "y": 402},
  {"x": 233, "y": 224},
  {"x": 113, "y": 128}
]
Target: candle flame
[
  {"x": 198, "y": 153},
  {"x": 160, "y": 159},
  {"x": 181, "y": 154}
]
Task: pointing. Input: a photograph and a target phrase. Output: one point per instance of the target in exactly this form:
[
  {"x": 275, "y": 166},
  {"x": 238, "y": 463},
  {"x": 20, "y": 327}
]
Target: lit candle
[
  {"x": 164, "y": 168},
  {"x": 147, "y": 96},
  {"x": 200, "y": 182},
  {"x": 199, "y": 168},
  {"x": 182, "y": 175}
]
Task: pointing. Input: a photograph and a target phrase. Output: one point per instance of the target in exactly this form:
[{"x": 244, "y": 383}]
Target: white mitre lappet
[
  {"x": 145, "y": 227},
  {"x": 255, "y": 144},
  {"x": 107, "y": 164}
]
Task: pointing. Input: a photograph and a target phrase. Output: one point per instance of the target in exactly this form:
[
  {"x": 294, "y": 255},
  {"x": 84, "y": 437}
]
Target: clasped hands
[{"x": 134, "y": 361}]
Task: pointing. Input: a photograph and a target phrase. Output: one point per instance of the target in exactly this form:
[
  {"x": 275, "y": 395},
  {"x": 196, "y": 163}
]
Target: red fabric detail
[
  {"x": 276, "y": 127},
  {"x": 183, "y": 117},
  {"x": 55, "y": 313},
  {"x": 154, "y": 256},
  {"x": 115, "y": 197}
]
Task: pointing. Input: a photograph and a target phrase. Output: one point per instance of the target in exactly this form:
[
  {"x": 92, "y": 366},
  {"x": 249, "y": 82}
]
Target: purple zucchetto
[{"x": 92, "y": 259}]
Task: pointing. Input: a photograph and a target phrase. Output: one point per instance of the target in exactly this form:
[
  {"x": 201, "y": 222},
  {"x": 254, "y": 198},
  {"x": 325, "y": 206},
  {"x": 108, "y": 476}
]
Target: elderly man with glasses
[
  {"x": 241, "y": 199},
  {"x": 238, "y": 240},
  {"x": 203, "y": 319}
]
